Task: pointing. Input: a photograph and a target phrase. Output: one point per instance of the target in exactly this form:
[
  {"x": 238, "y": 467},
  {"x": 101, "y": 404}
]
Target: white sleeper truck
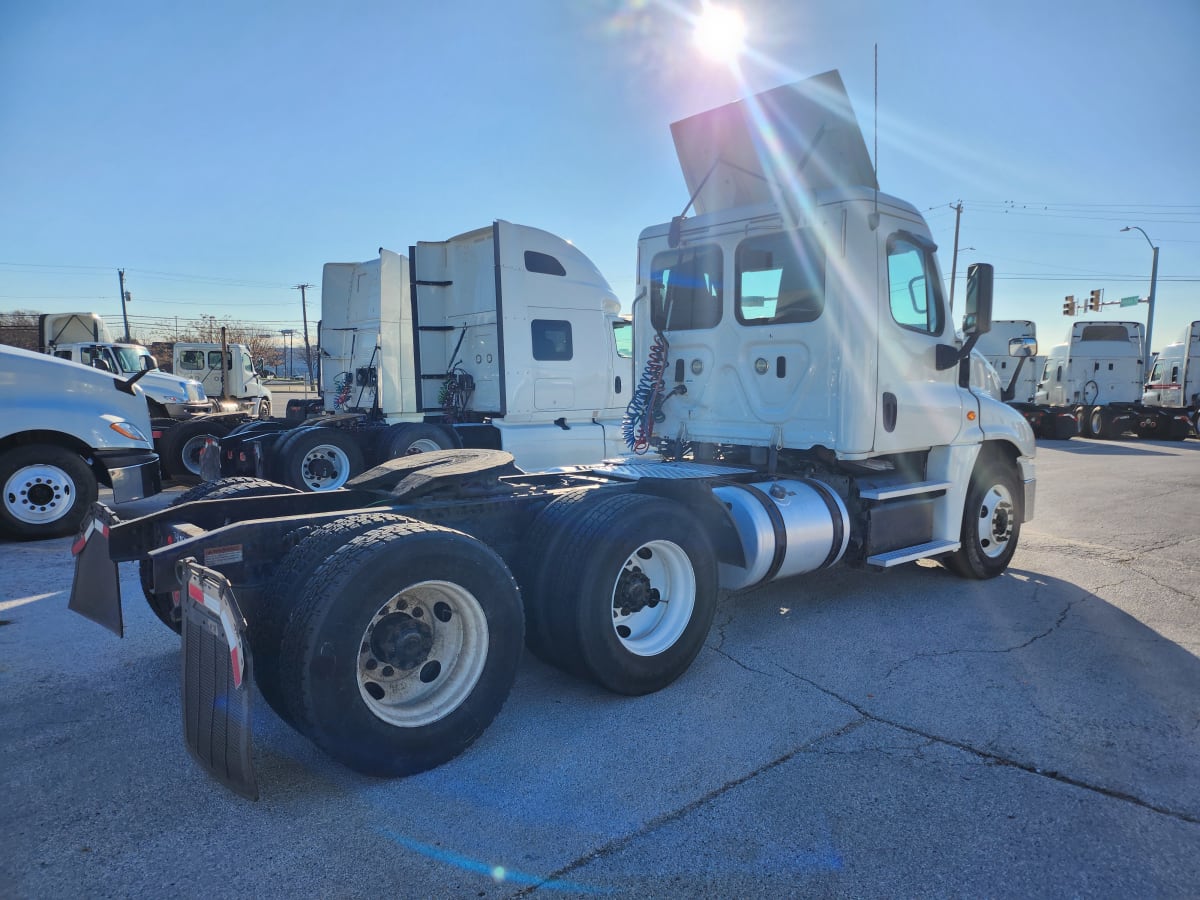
[
  {"x": 811, "y": 405},
  {"x": 1174, "y": 381},
  {"x": 1019, "y": 377},
  {"x": 66, "y": 430},
  {"x": 506, "y": 338},
  {"x": 1097, "y": 373}
]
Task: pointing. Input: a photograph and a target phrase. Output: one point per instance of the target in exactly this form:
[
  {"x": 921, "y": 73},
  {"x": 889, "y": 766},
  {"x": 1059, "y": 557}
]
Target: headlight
[{"x": 129, "y": 430}]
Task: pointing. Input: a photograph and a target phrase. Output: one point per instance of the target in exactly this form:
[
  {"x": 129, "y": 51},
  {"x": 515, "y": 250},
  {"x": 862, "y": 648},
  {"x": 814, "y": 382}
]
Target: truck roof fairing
[{"x": 802, "y": 136}]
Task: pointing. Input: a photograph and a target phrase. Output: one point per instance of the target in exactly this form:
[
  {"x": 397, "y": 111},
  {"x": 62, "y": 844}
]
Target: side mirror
[
  {"x": 675, "y": 232},
  {"x": 977, "y": 316},
  {"x": 1022, "y": 347}
]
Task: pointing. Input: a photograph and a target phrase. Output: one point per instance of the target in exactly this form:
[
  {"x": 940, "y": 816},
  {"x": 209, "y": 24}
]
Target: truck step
[
  {"x": 908, "y": 554},
  {"x": 881, "y": 490}
]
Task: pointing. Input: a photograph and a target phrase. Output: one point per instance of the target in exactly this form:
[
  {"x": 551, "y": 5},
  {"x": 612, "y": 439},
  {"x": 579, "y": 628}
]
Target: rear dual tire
[
  {"x": 401, "y": 648},
  {"x": 622, "y": 589}
]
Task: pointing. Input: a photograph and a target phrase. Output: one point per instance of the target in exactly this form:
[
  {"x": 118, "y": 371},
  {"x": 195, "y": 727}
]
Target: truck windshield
[{"x": 130, "y": 359}]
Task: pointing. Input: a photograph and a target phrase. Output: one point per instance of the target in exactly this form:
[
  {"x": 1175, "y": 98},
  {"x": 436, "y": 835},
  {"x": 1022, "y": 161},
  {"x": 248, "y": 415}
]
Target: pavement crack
[
  {"x": 1000, "y": 760},
  {"x": 1062, "y": 617},
  {"x": 619, "y": 843}
]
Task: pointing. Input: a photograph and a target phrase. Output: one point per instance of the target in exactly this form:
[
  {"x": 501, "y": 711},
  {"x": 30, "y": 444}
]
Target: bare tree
[{"x": 19, "y": 329}]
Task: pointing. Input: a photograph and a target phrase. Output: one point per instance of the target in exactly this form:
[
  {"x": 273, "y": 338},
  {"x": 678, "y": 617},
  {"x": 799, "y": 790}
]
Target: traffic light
[
  {"x": 1069, "y": 306},
  {"x": 1093, "y": 303}
]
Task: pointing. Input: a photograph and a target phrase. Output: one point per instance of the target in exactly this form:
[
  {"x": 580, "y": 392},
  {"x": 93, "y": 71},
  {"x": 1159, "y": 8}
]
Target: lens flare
[{"x": 720, "y": 33}]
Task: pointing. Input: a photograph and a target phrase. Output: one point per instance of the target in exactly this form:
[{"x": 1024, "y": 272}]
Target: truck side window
[
  {"x": 915, "y": 292},
  {"x": 1157, "y": 374},
  {"x": 780, "y": 279},
  {"x": 191, "y": 360},
  {"x": 543, "y": 263},
  {"x": 1174, "y": 374},
  {"x": 551, "y": 339},
  {"x": 685, "y": 289},
  {"x": 623, "y": 334},
  {"x": 214, "y": 359}
]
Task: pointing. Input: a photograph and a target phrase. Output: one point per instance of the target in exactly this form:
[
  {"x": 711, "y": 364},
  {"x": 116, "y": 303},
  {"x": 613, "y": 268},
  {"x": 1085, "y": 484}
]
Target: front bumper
[{"x": 133, "y": 474}]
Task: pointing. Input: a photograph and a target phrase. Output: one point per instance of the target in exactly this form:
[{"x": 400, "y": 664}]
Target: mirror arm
[{"x": 947, "y": 356}]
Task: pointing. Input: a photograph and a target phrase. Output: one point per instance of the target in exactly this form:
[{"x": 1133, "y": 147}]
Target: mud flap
[
  {"x": 96, "y": 588},
  {"x": 217, "y": 697}
]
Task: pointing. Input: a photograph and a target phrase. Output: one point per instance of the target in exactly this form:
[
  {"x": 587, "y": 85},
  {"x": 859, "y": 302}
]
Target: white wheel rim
[
  {"x": 39, "y": 494},
  {"x": 653, "y": 598},
  {"x": 325, "y": 467},
  {"x": 996, "y": 518},
  {"x": 422, "y": 654}
]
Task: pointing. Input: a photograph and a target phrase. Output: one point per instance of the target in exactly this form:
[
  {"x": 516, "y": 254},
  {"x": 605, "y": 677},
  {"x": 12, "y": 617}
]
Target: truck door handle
[
  {"x": 617, "y": 384},
  {"x": 889, "y": 412}
]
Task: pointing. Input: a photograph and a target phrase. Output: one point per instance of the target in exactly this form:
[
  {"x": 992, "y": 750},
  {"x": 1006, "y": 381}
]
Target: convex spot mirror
[{"x": 1023, "y": 347}]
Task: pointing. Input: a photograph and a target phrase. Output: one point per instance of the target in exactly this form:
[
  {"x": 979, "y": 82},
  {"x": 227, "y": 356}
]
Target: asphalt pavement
[{"x": 857, "y": 733}]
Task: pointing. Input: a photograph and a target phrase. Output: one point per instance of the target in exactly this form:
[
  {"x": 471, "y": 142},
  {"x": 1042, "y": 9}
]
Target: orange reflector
[{"x": 971, "y": 415}]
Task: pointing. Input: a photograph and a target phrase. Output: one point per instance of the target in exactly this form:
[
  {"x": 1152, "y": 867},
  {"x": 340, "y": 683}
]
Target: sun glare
[{"x": 720, "y": 33}]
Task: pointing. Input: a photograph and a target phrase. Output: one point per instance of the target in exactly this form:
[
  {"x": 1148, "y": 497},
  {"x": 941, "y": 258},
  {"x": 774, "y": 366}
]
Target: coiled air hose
[{"x": 637, "y": 426}]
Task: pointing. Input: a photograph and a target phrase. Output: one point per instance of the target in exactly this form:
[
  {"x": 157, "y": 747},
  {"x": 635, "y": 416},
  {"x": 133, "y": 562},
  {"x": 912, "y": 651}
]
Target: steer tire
[
  {"x": 291, "y": 575},
  {"x": 633, "y": 606},
  {"x": 401, "y": 648},
  {"x": 991, "y": 524},
  {"x": 164, "y": 605},
  {"x": 47, "y": 492}
]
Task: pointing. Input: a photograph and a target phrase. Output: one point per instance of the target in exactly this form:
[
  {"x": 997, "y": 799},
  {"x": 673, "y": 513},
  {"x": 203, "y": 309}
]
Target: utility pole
[
  {"x": 1153, "y": 284},
  {"x": 124, "y": 315},
  {"x": 304, "y": 313},
  {"x": 954, "y": 261}
]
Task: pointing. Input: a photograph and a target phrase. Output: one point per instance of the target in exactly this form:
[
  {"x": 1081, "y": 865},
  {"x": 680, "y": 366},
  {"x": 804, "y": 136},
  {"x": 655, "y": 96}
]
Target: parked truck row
[
  {"x": 211, "y": 397},
  {"x": 1092, "y": 383},
  {"x": 506, "y": 337},
  {"x": 800, "y": 382}
]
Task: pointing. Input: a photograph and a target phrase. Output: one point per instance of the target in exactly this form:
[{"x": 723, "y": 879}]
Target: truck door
[{"x": 917, "y": 406}]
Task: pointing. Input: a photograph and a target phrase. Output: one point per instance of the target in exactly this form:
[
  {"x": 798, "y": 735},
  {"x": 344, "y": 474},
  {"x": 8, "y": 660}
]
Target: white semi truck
[
  {"x": 1174, "y": 381},
  {"x": 67, "y": 430},
  {"x": 1097, "y": 373},
  {"x": 506, "y": 337},
  {"x": 812, "y": 406},
  {"x": 84, "y": 337},
  {"x": 1019, "y": 378}
]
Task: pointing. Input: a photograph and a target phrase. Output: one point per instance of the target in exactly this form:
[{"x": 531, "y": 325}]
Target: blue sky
[{"x": 222, "y": 152}]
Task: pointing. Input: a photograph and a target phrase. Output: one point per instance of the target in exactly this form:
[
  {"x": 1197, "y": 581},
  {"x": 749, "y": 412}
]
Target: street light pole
[
  {"x": 1153, "y": 284},
  {"x": 288, "y": 332}
]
